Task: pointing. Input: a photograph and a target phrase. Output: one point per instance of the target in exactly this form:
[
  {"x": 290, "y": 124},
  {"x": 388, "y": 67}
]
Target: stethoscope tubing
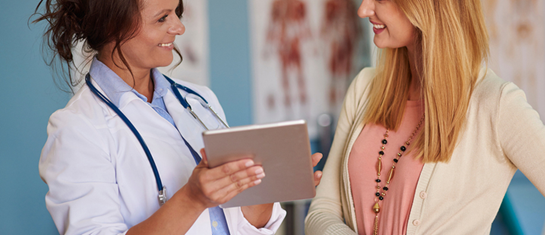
[
  {"x": 186, "y": 104},
  {"x": 131, "y": 127},
  {"x": 175, "y": 86}
]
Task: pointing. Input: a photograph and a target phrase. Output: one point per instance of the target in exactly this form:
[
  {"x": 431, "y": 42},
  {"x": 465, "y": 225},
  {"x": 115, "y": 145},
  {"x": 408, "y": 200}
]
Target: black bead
[
  {"x": 377, "y": 180},
  {"x": 403, "y": 148},
  {"x": 377, "y": 194},
  {"x": 381, "y": 152},
  {"x": 380, "y": 197},
  {"x": 385, "y": 188},
  {"x": 384, "y": 141},
  {"x": 395, "y": 160}
]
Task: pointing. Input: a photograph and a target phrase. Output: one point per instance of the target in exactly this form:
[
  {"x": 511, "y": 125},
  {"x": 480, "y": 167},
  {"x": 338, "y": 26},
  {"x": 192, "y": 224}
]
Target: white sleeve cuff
[{"x": 277, "y": 216}]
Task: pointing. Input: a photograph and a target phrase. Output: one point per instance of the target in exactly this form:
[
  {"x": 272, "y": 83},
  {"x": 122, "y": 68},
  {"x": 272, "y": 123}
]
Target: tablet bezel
[{"x": 282, "y": 148}]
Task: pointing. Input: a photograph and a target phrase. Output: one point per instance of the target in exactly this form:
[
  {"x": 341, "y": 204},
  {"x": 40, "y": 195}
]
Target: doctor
[{"x": 122, "y": 156}]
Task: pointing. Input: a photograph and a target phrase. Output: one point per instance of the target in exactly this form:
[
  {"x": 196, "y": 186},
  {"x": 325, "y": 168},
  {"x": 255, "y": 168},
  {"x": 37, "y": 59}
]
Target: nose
[
  {"x": 177, "y": 28},
  {"x": 367, "y": 8}
]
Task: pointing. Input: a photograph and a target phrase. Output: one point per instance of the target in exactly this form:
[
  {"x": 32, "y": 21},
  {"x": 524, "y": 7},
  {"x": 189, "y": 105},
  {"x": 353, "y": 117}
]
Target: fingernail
[
  {"x": 257, "y": 182},
  {"x": 249, "y": 163},
  {"x": 261, "y": 176},
  {"x": 259, "y": 171}
]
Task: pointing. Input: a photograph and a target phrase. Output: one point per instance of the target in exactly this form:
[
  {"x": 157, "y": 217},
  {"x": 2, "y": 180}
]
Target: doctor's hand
[{"x": 215, "y": 186}]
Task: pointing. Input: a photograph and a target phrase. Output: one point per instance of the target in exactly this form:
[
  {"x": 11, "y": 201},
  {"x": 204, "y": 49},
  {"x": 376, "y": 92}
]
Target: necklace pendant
[
  {"x": 376, "y": 208},
  {"x": 391, "y": 176}
]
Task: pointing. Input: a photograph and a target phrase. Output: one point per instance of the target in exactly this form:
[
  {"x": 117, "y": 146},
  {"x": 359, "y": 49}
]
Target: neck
[
  {"x": 415, "y": 63},
  {"x": 140, "y": 79}
]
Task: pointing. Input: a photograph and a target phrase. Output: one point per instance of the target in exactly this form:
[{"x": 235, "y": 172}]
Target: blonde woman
[{"x": 427, "y": 142}]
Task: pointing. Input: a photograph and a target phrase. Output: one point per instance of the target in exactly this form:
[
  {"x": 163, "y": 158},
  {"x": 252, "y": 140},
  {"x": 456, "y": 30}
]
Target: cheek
[
  {"x": 409, "y": 33},
  {"x": 403, "y": 33}
]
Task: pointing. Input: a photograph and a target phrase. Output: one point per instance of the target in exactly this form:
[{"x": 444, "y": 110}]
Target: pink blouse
[{"x": 396, "y": 206}]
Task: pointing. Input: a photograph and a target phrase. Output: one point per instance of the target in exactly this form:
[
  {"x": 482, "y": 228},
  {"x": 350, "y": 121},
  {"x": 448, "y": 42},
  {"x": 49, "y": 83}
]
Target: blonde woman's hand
[{"x": 318, "y": 174}]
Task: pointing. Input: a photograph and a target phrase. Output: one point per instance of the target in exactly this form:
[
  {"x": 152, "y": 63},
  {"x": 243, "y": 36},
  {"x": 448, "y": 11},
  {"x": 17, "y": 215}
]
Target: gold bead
[
  {"x": 376, "y": 208},
  {"x": 391, "y": 176},
  {"x": 382, "y": 147},
  {"x": 383, "y": 194}
]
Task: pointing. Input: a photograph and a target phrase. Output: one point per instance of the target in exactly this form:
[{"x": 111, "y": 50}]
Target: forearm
[
  {"x": 258, "y": 215},
  {"x": 176, "y": 216}
]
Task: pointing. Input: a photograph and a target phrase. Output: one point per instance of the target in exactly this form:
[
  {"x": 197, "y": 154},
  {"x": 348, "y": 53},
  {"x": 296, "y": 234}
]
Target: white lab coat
[{"x": 99, "y": 178}]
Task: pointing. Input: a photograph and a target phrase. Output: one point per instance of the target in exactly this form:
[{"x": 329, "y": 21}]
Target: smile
[
  {"x": 165, "y": 44},
  {"x": 379, "y": 26}
]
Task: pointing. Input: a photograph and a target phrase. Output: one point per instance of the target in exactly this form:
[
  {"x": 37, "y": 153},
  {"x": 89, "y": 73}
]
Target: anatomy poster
[
  {"x": 517, "y": 45},
  {"x": 304, "y": 55},
  {"x": 193, "y": 45}
]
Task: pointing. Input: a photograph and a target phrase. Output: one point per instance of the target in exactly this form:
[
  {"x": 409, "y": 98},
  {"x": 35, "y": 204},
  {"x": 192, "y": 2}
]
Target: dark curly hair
[{"x": 96, "y": 22}]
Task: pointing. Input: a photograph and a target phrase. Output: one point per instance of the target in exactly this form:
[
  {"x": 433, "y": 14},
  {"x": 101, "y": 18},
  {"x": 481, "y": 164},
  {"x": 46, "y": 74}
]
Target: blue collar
[{"x": 114, "y": 87}]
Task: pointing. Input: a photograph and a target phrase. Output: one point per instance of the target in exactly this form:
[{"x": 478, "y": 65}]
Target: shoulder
[
  {"x": 359, "y": 88},
  {"x": 488, "y": 83},
  {"x": 364, "y": 78},
  {"x": 82, "y": 112},
  {"x": 491, "y": 89}
]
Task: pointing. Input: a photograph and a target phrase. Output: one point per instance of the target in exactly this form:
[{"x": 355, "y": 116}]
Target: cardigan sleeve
[
  {"x": 522, "y": 135},
  {"x": 325, "y": 214}
]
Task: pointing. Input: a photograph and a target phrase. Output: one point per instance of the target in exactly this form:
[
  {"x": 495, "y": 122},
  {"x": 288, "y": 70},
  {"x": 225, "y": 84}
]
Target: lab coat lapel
[{"x": 187, "y": 126}]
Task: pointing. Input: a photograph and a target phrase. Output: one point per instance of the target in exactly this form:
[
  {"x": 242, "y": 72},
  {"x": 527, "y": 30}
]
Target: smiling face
[
  {"x": 153, "y": 44},
  {"x": 391, "y": 26}
]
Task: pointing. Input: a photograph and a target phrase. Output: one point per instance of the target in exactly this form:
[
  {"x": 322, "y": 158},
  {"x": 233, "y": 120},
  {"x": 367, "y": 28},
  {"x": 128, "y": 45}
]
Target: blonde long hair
[{"x": 453, "y": 41}]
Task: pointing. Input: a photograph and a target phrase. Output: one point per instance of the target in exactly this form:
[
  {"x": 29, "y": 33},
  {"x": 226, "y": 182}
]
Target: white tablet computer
[{"x": 283, "y": 149}]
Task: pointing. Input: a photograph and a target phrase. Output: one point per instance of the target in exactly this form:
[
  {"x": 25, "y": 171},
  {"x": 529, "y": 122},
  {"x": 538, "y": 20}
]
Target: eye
[{"x": 162, "y": 19}]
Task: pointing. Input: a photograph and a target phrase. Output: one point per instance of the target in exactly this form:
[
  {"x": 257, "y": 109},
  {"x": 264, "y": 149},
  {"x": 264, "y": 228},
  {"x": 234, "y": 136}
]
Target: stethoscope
[{"x": 175, "y": 86}]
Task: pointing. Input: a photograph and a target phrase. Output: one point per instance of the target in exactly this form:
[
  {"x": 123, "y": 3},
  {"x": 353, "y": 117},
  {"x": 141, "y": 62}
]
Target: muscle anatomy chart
[
  {"x": 304, "y": 54},
  {"x": 341, "y": 31},
  {"x": 517, "y": 45}
]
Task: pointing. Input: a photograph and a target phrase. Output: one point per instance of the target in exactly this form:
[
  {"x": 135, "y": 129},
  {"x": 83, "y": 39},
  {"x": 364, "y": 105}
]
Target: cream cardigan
[{"x": 503, "y": 133}]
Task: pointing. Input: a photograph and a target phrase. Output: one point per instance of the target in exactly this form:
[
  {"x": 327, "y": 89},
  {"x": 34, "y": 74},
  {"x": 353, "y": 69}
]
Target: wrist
[{"x": 185, "y": 196}]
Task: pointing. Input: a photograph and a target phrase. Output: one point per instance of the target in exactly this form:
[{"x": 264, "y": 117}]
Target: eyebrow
[{"x": 162, "y": 12}]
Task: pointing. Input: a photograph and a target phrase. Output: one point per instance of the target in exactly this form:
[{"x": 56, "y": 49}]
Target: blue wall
[
  {"x": 230, "y": 59},
  {"x": 29, "y": 96}
]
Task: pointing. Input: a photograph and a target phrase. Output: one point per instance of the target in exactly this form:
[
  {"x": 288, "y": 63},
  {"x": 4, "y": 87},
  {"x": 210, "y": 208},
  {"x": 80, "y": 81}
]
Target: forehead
[{"x": 150, "y": 6}]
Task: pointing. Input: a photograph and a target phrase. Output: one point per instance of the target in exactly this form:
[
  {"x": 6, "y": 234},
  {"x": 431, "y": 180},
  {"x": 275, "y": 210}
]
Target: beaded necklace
[{"x": 379, "y": 196}]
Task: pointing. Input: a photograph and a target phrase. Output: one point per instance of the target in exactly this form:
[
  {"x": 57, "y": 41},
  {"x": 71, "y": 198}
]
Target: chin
[
  {"x": 380, "y": 45},
  {"x": 164, "y": 62},
  {"x": 383, "y": 45}
]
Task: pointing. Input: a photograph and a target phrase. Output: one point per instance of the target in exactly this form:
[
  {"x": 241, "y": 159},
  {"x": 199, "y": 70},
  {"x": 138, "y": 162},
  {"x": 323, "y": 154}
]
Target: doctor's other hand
[
  {"x": 215, "y": 186},
  {"x": 318, "y": 174}
]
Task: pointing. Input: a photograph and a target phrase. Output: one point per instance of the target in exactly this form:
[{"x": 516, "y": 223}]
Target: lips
[
  {"x": 378, "y": 28},
  {"x": 165, "y": 44}
]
